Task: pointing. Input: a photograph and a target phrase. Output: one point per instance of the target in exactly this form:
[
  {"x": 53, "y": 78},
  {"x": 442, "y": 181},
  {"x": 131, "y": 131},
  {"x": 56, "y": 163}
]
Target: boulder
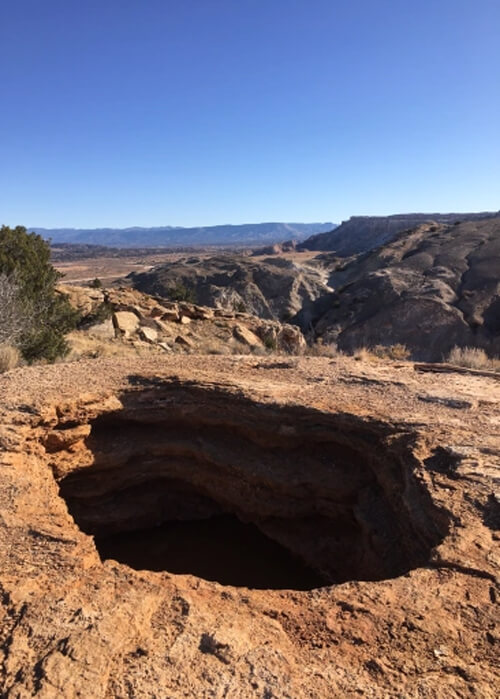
[
  {"x": 196, "y": 312},
  {"x": 171, "y": 315},
  {"x": 246, "y": 336},
  {"x": 157, "y": 312},
  {"x": 148, "y": 334},
  {"x": 290, "y": 339},
  {"x": 103, "y": 331},
  {"x": 125, "y": 322}
]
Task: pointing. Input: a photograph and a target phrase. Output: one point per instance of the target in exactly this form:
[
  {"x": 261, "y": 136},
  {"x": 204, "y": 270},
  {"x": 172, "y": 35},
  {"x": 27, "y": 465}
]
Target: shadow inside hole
[
  {"x": 176, "y": 470},
  {"x": 221, "y": 549}
]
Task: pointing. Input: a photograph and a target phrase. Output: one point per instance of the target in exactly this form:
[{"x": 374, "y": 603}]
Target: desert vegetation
[
  {"x": 473, "y": 358},
  {"x": 9, "y": 357},
  {"x": 34, "y": 316}
]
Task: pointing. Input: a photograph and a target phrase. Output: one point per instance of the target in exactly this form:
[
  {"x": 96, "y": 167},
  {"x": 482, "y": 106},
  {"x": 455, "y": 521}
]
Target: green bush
[
  {"x": 179, "y": 292},
  {"x": 101, "y": 313},
  {"x": 39, "y": 315}
]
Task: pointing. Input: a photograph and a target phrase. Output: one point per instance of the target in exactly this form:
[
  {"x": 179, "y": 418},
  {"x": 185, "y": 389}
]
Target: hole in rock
[
  {"x": 189, "y": 479},
  {"x": 220, "y": 548}
]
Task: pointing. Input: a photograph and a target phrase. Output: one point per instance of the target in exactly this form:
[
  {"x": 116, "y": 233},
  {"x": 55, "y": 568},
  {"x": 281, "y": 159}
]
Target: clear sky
[{"x": 192, "y": 112}]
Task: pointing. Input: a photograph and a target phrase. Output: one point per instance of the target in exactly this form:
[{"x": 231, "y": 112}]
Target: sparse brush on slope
[
  {"x": 9, "y": 357},
  {"x": 473, "y": 358}
]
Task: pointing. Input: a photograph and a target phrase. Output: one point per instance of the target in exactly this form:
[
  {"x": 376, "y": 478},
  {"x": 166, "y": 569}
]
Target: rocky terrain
[
  {"x": 121, "y": 320},
  {"x": 431, "y": 288},
  {"x": 364, "y": 233},
  {"x": 377, "y": 480},
  {"x": 273, "y": 288}
]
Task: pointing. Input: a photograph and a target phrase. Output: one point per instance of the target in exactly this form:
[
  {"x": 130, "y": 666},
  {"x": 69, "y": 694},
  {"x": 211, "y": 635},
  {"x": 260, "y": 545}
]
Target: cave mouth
[
  {"x": 185, "y": 479},
  {"x": 220, "y": 549}
]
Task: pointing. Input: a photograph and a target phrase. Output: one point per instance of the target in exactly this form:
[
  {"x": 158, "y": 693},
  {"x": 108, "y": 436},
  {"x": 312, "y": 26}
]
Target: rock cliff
[{"x": 363, "y": 233}]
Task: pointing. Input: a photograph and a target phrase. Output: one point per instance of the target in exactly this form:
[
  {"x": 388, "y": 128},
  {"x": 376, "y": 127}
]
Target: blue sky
[{"x": 193, "y": 112}]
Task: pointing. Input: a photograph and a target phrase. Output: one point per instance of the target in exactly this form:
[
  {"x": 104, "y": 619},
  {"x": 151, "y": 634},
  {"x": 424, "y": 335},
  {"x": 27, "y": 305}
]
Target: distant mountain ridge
[
  {"x": 364, "y": 233},
  {"x": 172, "y": 236}
]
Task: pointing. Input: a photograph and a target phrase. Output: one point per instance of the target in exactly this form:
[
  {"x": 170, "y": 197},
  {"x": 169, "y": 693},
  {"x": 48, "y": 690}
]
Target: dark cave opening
[
  {"x": 221, "y": 549},
  {"x": 192, "y": 481}
]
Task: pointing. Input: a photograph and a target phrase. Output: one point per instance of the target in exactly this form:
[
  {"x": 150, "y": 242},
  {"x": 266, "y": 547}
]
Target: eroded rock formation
[
  {"x": 272, "y": 288},
  {"x": 127, "y": 319},
  {"x": 431, "y": 288},
  {"x": 376, "y": 478}
]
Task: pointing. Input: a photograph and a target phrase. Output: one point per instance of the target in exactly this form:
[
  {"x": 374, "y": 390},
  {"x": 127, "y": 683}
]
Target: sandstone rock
[
  {"x": 184, "y": 320},
  {"x": 183, "y": 340},
  {"x": 126, "y": 322},
  {"x": 83, "y": 298},
  {"x": 157, "y": 312},
  {"x": 57, "y": 440},
  {"x": 246, "y": 336},
  {"x": 388, "y": 496},
  {"x": 148, "y": 334},
  {"x": 290, "y": 339},
  {"x": 196, "y": 312},
  {"x": 103, "y": 331},
  {"x": 171, "y": 315}
]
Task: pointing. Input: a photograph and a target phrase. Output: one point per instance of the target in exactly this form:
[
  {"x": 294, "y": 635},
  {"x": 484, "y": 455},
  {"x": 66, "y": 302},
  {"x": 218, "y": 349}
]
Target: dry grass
[
  {"x": 363, "y": 354},
  {"x": 396, "y": 352},
  {"x": 9, "y": 357},
  {"x": 84, "y": 346},
  {"x": 473, "y": 358},
  {"x": 322, "y": 349}
]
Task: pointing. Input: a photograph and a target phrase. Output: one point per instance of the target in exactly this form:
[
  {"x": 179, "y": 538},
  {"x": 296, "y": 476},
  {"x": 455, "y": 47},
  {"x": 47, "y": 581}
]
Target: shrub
[
  {"x": 323, "y": 349},
  {"x": 37, "y": 315},
  {"x": 473, "y": 358},
  {"x": 9, "y": 357},
  {"x": 96, "y": 283},
  {"x": 179, "y": 292},
  {"x": 362, "y": 354},
  {"x": 12, "y": 320},
  {"x": 270, "y": 343},
  {"x": 101, "y": 313}
]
